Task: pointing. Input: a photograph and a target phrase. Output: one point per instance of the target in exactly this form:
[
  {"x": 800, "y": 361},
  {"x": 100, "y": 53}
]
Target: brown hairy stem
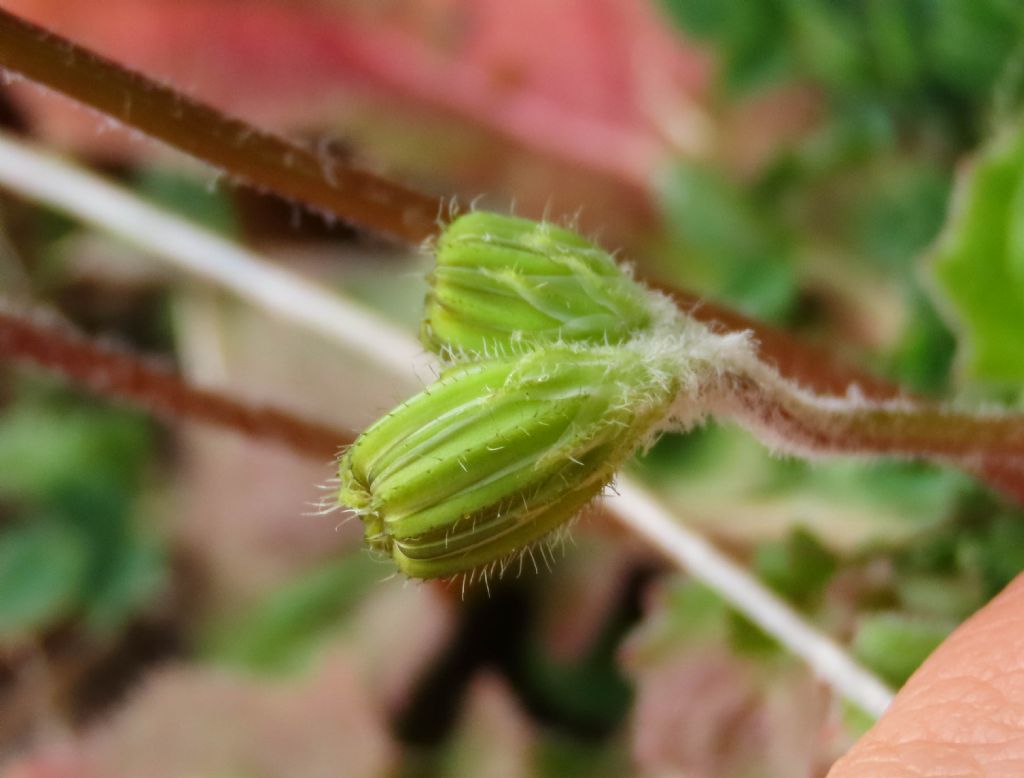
[
  {"x": 817, "y": 370},
  {"x": 32, "y": 339},
  {"x": 813, "y": 368},
  {"x": 255, "y": 156},
  {"x": 896, "y": 429},
  {"x": 991, "y": 446}
]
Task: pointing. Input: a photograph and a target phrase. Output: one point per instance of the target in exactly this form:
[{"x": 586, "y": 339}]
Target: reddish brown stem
[
  {"x": 916, "y": 429},
  {"x": 254, "y": 156},
  {"x": 811, "y": 367},
  {"x": 28, "y": 338},
  {"x": 1005, "y": 476},
  {"x": 989, "y": 445},
  {"x": 819, "y": 371}
]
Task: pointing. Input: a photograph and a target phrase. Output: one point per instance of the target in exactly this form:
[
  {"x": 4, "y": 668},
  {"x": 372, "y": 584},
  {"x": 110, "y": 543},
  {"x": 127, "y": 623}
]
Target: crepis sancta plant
[{"x": 560, "y": 367}]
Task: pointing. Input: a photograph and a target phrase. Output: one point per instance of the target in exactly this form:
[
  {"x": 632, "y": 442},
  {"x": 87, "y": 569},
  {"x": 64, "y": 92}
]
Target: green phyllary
[
  {"x": 503, "y": 284},
  {"x": 500, "y": 452}
]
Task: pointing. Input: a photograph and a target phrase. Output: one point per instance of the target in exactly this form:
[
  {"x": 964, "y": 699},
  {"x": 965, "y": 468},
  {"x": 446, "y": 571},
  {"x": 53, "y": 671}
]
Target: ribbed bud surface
[
  {"x": 500, "y": 452},
  {"x": 502, "y": 284}
]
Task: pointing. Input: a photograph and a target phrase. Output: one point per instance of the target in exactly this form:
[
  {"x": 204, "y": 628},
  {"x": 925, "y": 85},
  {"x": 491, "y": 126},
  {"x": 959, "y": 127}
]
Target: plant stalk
[
  {"x": 789, "y": 419},
  {"x": 36, "y": 339},
  {"x": 257, "y": 157}
]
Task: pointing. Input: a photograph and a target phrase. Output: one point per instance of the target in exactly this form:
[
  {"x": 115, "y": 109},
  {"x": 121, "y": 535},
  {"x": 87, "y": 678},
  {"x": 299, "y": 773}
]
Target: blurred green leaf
[
  {"x": 798, "y": 566},
  {"x": 725, "y": 245},
  {"x": 695, "y": 610},
  {"x": 131, "y": 578},
  {"x": 949, "y": 597},
  {"x": 721, "y": 471},
  {"x": 900, "y": 212},
  {"x": 828, "y": 39},
  {"x": 81, "y": 467},
  {"x": 856, "y": 721},
  {"x": 913, "y": 488},
  {"x": 894, "y": 645},
  {"x": 204, "y": 204},
  {"x": 562, "y": 757},
  {"x": 944, "y": 56},
  {"x": 979, "y": 263},
  {"x": 41, "y": 570},
  {"x": 701, "y": 18},
  {"x": 890, "y": 29},
  {"x": 685, "y": 612},
  {"x": 923, "y": 359},
  {"x": 968, "y": 41},
  {"x": 996, "y": 552},
  {"x": 47, "y": 446},
  {"x": 749, "y": 36},
  {"x": 748, "y": 639},
  {"x": 126, "y": 562},
  {"x": 283, "y": 631},
  {"x": 592, "y": 692}
]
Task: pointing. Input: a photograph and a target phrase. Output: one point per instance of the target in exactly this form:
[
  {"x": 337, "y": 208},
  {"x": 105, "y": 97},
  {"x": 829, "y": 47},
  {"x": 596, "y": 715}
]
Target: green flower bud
[
  {"x": 504, "y": 284},
  {"x": 498, "y": 453}
]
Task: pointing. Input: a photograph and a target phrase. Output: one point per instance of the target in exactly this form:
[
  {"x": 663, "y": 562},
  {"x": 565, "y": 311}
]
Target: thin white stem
[
  {"x": 637, "y": 509},
  {"x": 59, "y": 184},
  {"x": 62, "y": 185}
]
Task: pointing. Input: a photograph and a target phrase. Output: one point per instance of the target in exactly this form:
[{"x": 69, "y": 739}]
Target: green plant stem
[
  {"x": 257, "y": 157},
  {"x": 36, "y": 339}
]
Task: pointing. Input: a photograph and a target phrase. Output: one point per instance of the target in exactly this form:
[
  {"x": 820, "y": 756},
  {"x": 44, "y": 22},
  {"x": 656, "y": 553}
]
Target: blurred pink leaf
[
  {"x": 205, "y": 722},
  {"x": 244, "y": 510},
  {"x": 605, "y": 84},
  {"x": 705, "y": 710},
  {"x": 585, "y": 587},
  {"x": 707, "y": 713},
  {"x": 494, "y": 738},
  {"x": 396, "y": 633},
  {"x": 551, "y": 103},
  {"x": 241, "y": 517}
]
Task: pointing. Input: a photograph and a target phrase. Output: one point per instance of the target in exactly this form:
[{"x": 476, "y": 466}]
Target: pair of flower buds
[{"x": 554, "y": 379}]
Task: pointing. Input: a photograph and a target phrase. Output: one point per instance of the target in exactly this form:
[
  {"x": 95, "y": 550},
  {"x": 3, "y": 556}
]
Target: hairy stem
[
  {"x": 35, "y": 339},
  {"x": 793, "y": 420},
  {"x": 257, "y": 157},
  {"x": 813, "y": 368}
]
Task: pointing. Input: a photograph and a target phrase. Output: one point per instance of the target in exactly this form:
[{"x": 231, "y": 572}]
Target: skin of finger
[{"x": 962, "y": 713}]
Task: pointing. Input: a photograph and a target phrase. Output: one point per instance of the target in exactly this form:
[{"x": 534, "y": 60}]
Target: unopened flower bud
[
  {"x": 498, "y": 453},
  {"x": 503, "y": 284}
]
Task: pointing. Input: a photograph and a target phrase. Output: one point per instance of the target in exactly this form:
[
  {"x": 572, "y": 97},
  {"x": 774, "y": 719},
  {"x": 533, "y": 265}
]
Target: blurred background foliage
[{"x": 166, "y": 608}]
